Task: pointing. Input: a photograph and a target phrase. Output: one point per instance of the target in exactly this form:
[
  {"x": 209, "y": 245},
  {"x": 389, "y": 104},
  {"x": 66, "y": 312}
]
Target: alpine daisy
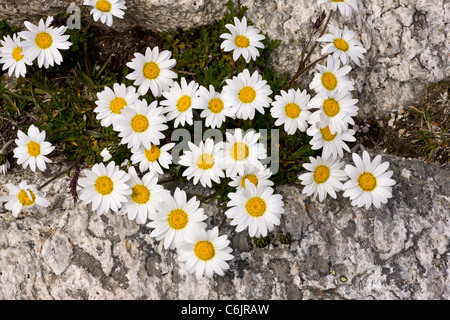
[
  {"x": 32, "y": 149},
  {"x": 343, "y": 45},
  {"x": 335, "y": 110},
  {"x": 245, "y": 93},
  {"x": 254, "y": 175},
  {"x": 243, "y": 40},
  {"x": 175, "y": 217},
  {"x": 154, "y": 158},
  {"x": 141, "y": 125},
  {"x": 104, "y": 187},
  {"x": 110, "y": 102},
  {"x": 324, "y": 177},
  {"x": 242, "y": 150},
  {"x": 152, "y": 71},
  {"x": 11, "y": 56},
  {"x": 256, "y": 208},
  {"x": 369, "y": 181},
  {"x": 345, "y": 6},
  {"x": 23, "y": 196},
  {"x": 331, "y": 144},
  {"x": 213, "y": 108},
  {"x": 203, "y": 162},
  {"x": 145, "y": 198},
  {"x": 180, "y": 99},
  {"x": 44, "y": 42},
  {"x": 291, "y": 109},
  {"x": 104, "y": 10},
  {"x": 205, "y": 252},
  {"x": 331, "y": 77}
]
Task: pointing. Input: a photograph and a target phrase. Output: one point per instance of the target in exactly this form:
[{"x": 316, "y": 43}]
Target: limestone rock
[{"x": 400, "y": 251}]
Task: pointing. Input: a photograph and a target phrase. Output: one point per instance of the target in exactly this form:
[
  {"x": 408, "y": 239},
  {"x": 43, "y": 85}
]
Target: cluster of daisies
[
  {"x": 368, "y": 182},
  {"x": 177, "y": 221}
]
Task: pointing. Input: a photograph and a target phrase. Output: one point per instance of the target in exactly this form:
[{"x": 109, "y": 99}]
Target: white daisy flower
[
  {"x": 146, "y": 196},
  {"x": 205, "y": 253},
  {"x": 111, "y": 102},
  {"x": 345, "y": 6},
  {"x": 335, "y": 110},
  {"x": 104, "y": 187},
  {"x": 23, "y": 196},
  {"x": 154, "y": 158},
  {"x": 254, "y": 175},
  {"x": 105, "y": 10},
  {"x": 152, "y": 71},
  {"x": 240, "y": 151},
  {"x": 324, "y": 178},
  {"x": 243, "y": 40},
  {"x": 180, "y": 99},
  {"x": 291, "y": 109},
  {"x": 32, "y": 149},
  {"x": 245, "y": 93},
  {"x": 369, "y": 181},
  {"x": 213, "y": 108},
  {"x": 331, "y": 77},
  {"x": 141, "y": 125},
  {"x": 11, "y": 56},
  {"x": 203, "y": 162},
  {"x": 331, "y": 144},
  {"x": 256, "y": 208},
  {"x": 343, "y": 45},
  {"x": 44, "y": 42},
  {"x": 176, "y": 217}
]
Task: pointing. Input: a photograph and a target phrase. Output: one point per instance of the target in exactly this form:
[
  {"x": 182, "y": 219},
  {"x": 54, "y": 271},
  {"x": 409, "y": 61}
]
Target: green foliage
[{"x": 60, "y": 100}]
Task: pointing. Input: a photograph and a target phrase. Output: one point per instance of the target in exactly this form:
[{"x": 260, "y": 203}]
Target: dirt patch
[{"x": 418, "y": 131}]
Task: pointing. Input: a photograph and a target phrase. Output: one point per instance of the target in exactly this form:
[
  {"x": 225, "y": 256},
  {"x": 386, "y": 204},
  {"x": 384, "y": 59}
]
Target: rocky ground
[{"x": 400, "y": 251}]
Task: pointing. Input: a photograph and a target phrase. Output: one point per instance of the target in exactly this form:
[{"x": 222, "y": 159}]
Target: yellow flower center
[
  {"x": 17, "y": 53},
  {"x": 184, "y": 103},
  {"x": 331, "y": 107},
  {"x": 205, "y": 161},
  {"x": 239, "y": 151},
  {"x": 117, "y": 105},
  {"x": 329, "y": 81},
  {"x": 341, "y": 44},
  {"x": 326, "y": 134},
  {"x": 178, "y": 219},
  {"x": 251, "y": 177},
  {"x": 104, "y": 185},
  {"x": 321, "y": 174},
  {"x": 34, "y": 149},
  {"x": 153, "y": 154},
  {"x": 24, "y": 198},
  {"x": 103, "y": 6},
  {"x": 242, "y": 41},
  {"x": 367, "y": 181},
  {"x": 139, "y": 123},
  {"x": 247, "y": 94},
  {"x": 204, "y": 250},
  {"x": 43, "y": 40},
  {"x": 292, "y": 110},
  {"x": 215, "y": 105},
  {"x": 140, "y": 194},
  {"x": 151, "y": 70},
  {"x": 255, "y": 206}
]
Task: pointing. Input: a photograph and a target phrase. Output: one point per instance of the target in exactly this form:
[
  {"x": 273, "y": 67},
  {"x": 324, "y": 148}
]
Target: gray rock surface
[
  {"x": 400, "y": 251},
  {"x": 406, "y": 40}
]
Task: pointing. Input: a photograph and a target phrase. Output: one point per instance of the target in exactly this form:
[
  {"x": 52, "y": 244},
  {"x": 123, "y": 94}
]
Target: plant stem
[
  {"x": 65, "y": 170},
  {"x": 301, "y": 68}
]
